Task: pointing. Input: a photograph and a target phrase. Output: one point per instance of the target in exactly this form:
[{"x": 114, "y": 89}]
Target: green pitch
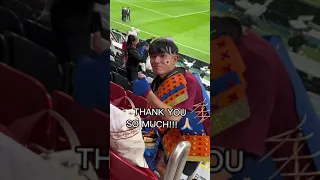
[{"x": 187, "y": 21}]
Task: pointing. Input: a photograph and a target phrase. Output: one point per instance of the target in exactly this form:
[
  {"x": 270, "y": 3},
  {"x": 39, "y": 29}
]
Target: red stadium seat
[
  {"x": 21, "y": 95},
  {"x": 91, "y": 126},
  {"x": 121, "y": 169},
  {"x": 116, "y": 91},
  {"x": 138, "y": 101},
  {"x": 6, "y": 131}
]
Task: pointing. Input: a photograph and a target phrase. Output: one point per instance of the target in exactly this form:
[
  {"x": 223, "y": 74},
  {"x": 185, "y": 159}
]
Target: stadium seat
[
  {"x": 21, "y": 95},
  {"x": 39, "y": 34},
  {"x": 90, "y": 125},
  {"x": 116, "y": 91},
  {"x": 118, "y": 166},
  {"x": 6, "y": 131},
  {"x": 121, "y": 80},
  {"x": 150, "y": 74},
  {"x": 10, "y": 21},
  {"x": 111, "y": 77},
  {"x": 138, "y": 101},
  {"x": 117, "y": 65},
  {"x": 122, "y": 72},
  {"x": 3, "y": 50},
  {"x": 36, "y": 5},
  {"x": 34, "y": 60},
  {"x": 119, "y": 61},
  {"x": 22, "y": 10},
  {"x": 67, "y": 79},
  {"x": 112, "y": 68}
]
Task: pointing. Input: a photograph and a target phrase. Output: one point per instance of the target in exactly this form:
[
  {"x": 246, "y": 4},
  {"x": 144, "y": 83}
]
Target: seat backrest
[
  {"x": 117, "y": 65},
  {"x": 111, "y": 77},
  {"x": 118, "y": 166},
  {"x": 121, "y": 80},
  {"x": 36, "y": 5},
  {"x": 68, "y": 73},
  {"x": 39, "y": 34},
  {"x": 6, "y": 131},
  {"x": 116, "y": 91},
  {"x": 138, "y": 101},
  {"x": 91, "y": 125},
  {"x": 21, "y": 95},
  {"x": 10, "y": 21},
  {"x": 3, "y": 49},
  {"x": 19, "y": 8},
  {"x": 35, "y": 61},
  {"x": 122, "y": 72},
  {"x": 112, "y": 68},
  {"x": 119, "y": 61}
]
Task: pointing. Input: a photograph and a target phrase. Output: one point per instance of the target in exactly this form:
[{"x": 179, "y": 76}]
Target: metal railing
[{"x": 177, "y": 161}]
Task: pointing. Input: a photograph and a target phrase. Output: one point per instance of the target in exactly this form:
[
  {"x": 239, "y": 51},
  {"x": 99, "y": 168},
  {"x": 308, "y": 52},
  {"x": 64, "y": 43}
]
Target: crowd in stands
[
  {"x": 49, "y": 55},
  {"x": 130, "y": 79},
  {"x": 53, "y": 62}
]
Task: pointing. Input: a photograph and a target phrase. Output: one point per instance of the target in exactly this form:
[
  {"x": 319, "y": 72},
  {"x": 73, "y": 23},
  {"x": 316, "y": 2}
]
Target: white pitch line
[
  {"x": 160, "y": 36},
  {"x": 192, "y": 13}
]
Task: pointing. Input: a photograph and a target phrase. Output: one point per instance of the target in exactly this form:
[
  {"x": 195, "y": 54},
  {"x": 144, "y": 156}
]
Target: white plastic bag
[{"x": 127, "y": 142}]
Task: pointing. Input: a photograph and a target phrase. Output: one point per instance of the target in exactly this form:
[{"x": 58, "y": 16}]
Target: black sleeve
[{"x": 137, "y": 57}]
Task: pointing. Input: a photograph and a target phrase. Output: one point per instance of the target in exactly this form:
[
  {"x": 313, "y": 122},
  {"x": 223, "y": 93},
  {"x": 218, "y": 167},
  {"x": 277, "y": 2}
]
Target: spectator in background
[
  {"x": 134, "y": 58},
  {"x": 72, "y": 26},
  {"x": 91, "y": 82},
  {"x": 128, "y": 14},
  {"x": 124, "y": 14},
  {"x": 132, "y": 31}
]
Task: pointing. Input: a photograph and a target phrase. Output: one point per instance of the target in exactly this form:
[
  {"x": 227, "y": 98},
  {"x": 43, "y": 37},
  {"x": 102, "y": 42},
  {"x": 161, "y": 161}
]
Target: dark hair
[
  {"x": 131, "y": 39},
  {"x": 163, "y": 45},
  {"x": 228, "y": 26}
]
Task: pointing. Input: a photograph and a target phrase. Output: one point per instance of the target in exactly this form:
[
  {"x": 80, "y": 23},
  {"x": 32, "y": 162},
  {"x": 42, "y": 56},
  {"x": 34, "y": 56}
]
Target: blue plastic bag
[{"x": 150, "y": 154}]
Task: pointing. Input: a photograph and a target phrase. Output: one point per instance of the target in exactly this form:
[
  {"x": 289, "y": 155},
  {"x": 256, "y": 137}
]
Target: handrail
[{"x": 177, "y": 161}]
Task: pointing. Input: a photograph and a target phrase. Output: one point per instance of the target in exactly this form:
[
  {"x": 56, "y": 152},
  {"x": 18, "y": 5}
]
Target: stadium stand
[
  {"x": 89, "y": 124},
  {"x": 120, "y": 80},
  {"x": 10, "y": 21},
  {"x": 21, "y": 95},
  {"x": 22, "y": 10},
  {"x": 39, "y": 34},
  {"x": 34, "y": 60},
  {"x": 30, "y": 74}
]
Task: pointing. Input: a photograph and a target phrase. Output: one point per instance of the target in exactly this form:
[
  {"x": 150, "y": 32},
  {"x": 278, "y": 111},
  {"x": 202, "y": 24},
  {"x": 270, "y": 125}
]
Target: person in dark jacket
[
  {"x": 134, "y": 58},
  {"x": 72, "y": 26}
]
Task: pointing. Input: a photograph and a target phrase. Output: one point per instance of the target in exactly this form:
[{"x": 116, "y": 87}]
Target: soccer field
[{"x": 187, "y": 21}]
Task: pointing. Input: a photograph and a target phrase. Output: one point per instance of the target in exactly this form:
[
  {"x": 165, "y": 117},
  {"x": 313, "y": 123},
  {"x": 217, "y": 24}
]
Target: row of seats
[
  {"x": 118, "y": 93},
  {"x": 120, "y": 80},
  {"x": 117, "y": 164},
  {"x": 21, "y": 96},
  {"x": 34, "y": 60}
]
